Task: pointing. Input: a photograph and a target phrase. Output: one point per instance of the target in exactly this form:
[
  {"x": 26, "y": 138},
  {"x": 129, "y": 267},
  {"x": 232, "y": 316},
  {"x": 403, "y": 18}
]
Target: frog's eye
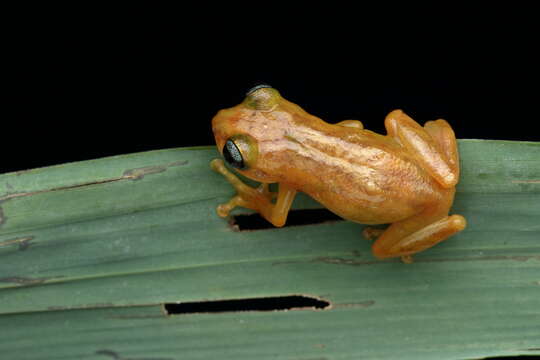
[
  {"x": 257, "y": 87},
  {"x": 262, "y": 97},
  {"x": 240, "y": 151},
  {"x": 232, "y": 155}
]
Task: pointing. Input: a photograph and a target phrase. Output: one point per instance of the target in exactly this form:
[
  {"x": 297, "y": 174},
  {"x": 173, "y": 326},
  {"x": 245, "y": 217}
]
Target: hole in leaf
[
  {"x": 275, "y": 303},
  {"x": 295, "y": 218}
]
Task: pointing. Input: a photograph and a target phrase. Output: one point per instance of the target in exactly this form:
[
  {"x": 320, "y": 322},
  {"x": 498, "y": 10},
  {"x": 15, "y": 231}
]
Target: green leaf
[{"x": 90, "y": 251}]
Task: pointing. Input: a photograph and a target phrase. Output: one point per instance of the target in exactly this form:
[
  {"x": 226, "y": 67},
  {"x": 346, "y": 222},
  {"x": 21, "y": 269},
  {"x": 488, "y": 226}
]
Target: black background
[
  {"x": 87, "y": 86},
  {"x": 83, "y": 83}
]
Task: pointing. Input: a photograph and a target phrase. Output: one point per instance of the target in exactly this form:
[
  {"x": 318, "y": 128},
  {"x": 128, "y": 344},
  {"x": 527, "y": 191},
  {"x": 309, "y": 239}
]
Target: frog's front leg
[{"x": 259, "y": 199}]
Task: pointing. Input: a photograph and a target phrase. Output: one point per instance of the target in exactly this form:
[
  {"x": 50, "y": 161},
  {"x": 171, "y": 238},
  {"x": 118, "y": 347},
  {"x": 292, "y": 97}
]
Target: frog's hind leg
[
  {"x": 417, "y": 233},
  {"x": 433, "y": 147},
  {"x": 371, "y": 233},
  {"x": 445, "y": 138}
]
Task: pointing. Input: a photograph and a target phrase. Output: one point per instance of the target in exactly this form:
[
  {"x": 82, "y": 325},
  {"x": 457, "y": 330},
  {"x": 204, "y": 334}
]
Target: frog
[{"x": 406, "y": 178}]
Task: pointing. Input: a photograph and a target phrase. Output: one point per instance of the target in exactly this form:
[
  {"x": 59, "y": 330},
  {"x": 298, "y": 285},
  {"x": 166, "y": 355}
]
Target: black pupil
[{"x": 232, "y": 155}]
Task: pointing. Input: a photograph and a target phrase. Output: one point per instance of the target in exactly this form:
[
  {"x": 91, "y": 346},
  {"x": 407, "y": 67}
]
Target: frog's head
[{"x": 244, "y": 132}]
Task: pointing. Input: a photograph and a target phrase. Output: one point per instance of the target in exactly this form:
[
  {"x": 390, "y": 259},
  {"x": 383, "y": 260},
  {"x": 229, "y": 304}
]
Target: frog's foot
[
  {"x": 258, "y": 199},
  {"x": 223, "y": 210},
  {"x": 371, "y": 233},
  {"x": 407, "y": 259},
  {"x": 248, "y": 197}
]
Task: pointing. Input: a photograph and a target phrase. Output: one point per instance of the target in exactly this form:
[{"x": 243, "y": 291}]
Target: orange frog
[{"x": 406, "y": 178}]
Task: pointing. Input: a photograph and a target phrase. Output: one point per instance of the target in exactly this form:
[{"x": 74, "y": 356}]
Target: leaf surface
[{"x": 90, "y": 251}]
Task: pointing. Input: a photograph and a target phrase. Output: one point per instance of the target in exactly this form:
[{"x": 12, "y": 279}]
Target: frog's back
[{"x": 360, "y": 175}]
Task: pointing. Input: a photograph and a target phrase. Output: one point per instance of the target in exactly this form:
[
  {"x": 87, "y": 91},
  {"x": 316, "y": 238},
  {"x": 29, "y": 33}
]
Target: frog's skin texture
[{"x": 406, "y": 178}]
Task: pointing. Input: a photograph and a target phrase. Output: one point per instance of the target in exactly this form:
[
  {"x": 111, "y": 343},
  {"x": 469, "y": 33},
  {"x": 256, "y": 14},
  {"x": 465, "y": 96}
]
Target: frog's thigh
[
  {"x": 444, "y": 136},
  {"x": 420, "y": 144},
  {"x": 416, "y": 234},
  {"x": 351, "y": 123}
]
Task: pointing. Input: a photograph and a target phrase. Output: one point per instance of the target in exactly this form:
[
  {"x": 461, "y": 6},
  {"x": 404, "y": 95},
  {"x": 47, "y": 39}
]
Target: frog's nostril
[{"x": 257, "y": 87}]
